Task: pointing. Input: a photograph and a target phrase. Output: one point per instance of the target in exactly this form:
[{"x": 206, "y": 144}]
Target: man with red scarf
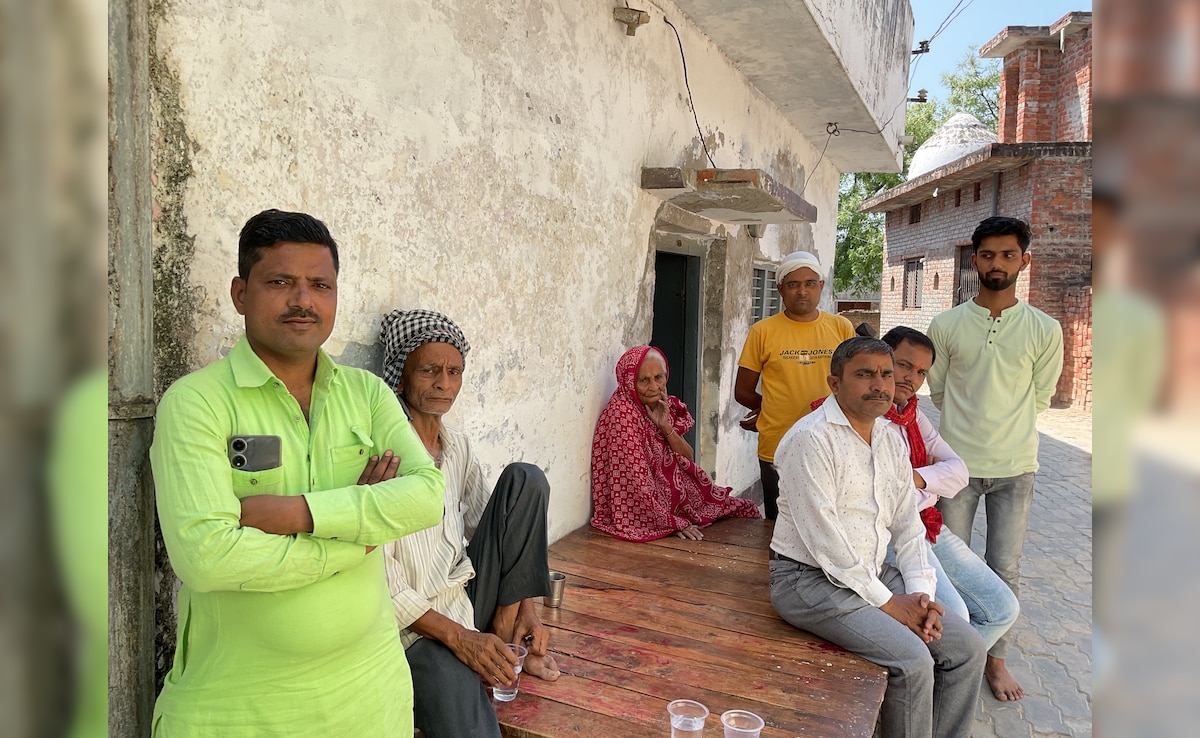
[{"x": 965, "y": 583}]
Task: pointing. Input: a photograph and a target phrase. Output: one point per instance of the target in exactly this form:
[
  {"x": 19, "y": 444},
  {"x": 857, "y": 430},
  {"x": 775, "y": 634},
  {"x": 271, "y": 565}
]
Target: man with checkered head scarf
[{"x": 458, "y": 604}]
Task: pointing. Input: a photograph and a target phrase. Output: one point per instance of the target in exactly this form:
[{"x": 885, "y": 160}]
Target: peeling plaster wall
[{"x": 480, "y": 159}]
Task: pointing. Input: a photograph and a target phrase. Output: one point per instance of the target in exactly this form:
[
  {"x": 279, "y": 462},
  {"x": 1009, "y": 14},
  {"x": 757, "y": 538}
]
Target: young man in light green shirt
[
  {"x": 285, "y": 623},
  {"x": 998, "y": 364}
]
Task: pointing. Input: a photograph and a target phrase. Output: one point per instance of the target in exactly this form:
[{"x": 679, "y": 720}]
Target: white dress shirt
[
  {"x": 841, "y": 501},
  {"x": 945, "y": 477},
  {"x": 429, "y": 569}
]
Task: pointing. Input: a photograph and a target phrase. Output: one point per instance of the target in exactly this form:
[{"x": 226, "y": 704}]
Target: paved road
[{"x": 1051, "y": 650}]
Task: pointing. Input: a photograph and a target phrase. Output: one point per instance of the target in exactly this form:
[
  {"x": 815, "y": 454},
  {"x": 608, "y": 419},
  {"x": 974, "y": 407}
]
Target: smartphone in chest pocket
[{"x": 255, "y": 453}]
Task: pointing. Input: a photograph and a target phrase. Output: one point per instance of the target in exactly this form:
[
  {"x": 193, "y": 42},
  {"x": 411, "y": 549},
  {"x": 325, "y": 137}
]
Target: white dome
[{"x": 961, "y": 134}]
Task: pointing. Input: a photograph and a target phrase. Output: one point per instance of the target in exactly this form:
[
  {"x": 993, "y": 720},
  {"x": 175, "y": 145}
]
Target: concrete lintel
[
  {"x": 742, "y": 196},
  {"x": 1016, "y": 37},
  {"x": 674, "y": 219},
  {"x": 692, "y": 244}
]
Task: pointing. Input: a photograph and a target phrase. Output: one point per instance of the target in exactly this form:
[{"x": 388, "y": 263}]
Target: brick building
[{"x": 1039, "y": 169}]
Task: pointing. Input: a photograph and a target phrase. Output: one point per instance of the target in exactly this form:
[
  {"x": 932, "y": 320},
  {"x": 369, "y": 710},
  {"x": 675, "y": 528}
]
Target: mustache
[
  {"x": 303, "y": 313},
  {"x": 877, "y": 396}
]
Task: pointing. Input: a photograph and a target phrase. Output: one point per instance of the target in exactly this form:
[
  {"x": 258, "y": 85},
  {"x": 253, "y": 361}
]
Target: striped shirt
[{"x": 429, "y": 569}]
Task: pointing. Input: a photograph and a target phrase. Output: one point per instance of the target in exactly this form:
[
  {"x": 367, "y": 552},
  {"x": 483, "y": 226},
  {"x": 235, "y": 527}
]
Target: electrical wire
[
  {"x": 832, "y": 130},
  {"x": 951, "y": 18},
  {"x": 691, "y": 102}
]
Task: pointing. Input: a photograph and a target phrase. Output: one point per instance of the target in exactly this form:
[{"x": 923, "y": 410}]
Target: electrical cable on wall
[
  {"x": 832, "y": 130},
  {"x": 691, "y": 102}
]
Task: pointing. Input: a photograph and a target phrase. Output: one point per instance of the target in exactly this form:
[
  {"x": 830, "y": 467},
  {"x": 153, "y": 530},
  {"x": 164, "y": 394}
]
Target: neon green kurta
[{"x": 286, "y": 635}]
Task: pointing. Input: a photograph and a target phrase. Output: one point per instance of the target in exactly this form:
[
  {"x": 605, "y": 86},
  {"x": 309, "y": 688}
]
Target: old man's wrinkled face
[{"x": 432, "y": 378}]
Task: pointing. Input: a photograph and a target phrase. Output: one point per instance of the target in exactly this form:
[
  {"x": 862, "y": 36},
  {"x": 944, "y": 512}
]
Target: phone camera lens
[
  {"x": 239, "y": 461},
  {"x": 239, "y": 445}
]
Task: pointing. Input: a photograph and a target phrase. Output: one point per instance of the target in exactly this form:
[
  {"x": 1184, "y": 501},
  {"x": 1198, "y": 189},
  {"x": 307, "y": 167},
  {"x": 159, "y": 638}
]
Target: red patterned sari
[{"x": 641, "y": 489}]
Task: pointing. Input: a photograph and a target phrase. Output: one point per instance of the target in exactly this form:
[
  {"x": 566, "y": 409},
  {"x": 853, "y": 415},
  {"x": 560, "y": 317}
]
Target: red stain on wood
[{"x": 642, "y": 624}]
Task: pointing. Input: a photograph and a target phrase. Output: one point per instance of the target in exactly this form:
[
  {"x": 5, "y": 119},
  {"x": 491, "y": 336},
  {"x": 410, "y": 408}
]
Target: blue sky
[{"x": 977, "y": 24}]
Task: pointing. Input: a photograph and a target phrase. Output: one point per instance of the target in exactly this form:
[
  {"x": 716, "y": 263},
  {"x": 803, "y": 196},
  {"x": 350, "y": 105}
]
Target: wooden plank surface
[{"x": 645, "y": 623}]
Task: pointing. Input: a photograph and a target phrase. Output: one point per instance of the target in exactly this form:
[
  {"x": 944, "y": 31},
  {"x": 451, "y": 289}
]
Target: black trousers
[
  {"x": 770, "y": 485},
  {"x": 511, "y": 564}
]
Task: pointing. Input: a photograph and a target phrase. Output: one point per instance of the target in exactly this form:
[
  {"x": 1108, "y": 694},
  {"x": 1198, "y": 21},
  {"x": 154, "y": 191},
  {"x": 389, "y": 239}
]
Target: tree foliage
[{"x": 974, "y": 87}]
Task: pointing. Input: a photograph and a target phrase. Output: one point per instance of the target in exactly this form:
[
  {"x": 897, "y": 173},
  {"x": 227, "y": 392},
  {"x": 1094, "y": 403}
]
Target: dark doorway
[{"x": 676, "y": 329}]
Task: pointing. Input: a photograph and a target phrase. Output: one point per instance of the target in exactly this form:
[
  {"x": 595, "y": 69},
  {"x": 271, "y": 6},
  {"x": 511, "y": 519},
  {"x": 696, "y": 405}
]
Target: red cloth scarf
[
  {"x": 641, "y": 489},
  {"x": 907, "y": 419}
]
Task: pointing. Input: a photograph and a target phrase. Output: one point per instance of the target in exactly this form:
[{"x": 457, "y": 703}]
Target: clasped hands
[
  {"x": 918, "y": 612},
  {"x": 287, "y": 515}
]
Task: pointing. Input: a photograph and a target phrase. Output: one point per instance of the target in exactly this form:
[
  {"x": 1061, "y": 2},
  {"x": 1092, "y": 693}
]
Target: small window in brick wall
[
  {"x": 764, "y": 298},
  {"x": 914, "y": 214},
  {"x": 914, "y": 272},
  {"x": 958, "y": 197},
  {"x": 978, "y": 191}
]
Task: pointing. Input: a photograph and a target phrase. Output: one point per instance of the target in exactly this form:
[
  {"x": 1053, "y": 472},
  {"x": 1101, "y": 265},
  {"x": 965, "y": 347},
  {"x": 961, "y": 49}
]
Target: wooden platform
[{"x": 645, "y": 623}]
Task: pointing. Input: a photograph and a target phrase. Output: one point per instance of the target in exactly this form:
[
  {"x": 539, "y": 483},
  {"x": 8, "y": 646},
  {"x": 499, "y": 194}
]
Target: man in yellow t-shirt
[{"x": 791, "y": 353}]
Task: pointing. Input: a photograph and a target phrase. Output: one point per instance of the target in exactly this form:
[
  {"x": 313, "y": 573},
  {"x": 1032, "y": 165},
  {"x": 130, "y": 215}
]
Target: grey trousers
[
  {"x": 1007, "y": 502},
  {"x": 509, "y": 554},
  {"x": 932, "y": 690}
]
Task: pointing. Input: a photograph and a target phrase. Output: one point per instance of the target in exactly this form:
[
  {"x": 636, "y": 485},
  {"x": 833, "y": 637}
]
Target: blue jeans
[
  {"x": 1007, "y": 502},
  {"x": 967, "y": 587},
  {"x": 992, "y": 605}
]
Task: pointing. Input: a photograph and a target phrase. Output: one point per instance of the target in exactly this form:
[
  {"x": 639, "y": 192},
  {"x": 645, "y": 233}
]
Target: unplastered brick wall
[
  {"x": 1073, "y": 121},
  {"x": 1075, "y": 385},
  {"x": 1060, "y": 274},
  {"x": 1046, "y": 93},
  {"x": 937, "y": 238}
]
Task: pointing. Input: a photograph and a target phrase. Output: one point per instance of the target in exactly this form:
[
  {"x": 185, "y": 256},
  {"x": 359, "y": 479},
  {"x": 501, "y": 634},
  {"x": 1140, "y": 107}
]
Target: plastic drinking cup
[
  {"x": 741, "y": 724},
  {"x": 508, "y": 694},
  {"x": 687, "y": 718}
]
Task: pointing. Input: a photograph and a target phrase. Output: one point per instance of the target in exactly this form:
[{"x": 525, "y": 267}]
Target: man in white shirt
[
  {"x": 846, "y": 489},
  {"x": 458, "y": 604}
]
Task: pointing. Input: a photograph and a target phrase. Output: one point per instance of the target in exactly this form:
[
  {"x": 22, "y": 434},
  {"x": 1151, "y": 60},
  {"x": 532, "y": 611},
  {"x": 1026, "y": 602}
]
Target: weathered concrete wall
[
  {"x": 481, "y": 159},
  {"x": 874, "y": 41}
]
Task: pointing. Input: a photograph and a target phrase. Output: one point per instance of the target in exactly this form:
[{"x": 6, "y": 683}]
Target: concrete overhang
[
  {"x": 971, "y": 168},
  {"x": 1015, "y": 37},
  {"x": 821, "y": 61},
  {"x": 740, "y": 196}
]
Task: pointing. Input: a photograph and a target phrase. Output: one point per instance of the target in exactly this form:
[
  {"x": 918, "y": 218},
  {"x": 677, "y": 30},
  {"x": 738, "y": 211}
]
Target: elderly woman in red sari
[{"x": 645, "y": 482}]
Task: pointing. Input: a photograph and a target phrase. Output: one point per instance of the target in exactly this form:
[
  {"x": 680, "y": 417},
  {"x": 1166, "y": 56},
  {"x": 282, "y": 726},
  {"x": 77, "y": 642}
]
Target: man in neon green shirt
[
  {"x": 998, "y": 364},
  {"x": 285, "y": 623},
  {"x": 791, "y": 352}
]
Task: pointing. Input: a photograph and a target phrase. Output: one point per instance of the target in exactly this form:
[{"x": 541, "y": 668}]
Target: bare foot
[
  {"x": 1004, "y": 685},
  {"x": 542, "y": 667}
]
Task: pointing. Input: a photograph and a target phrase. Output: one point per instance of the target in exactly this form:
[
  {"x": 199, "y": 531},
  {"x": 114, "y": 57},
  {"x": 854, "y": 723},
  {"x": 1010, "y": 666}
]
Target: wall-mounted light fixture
[
  {"x": 631, "y": 18},
  {"x": 920, "y": 98}
]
